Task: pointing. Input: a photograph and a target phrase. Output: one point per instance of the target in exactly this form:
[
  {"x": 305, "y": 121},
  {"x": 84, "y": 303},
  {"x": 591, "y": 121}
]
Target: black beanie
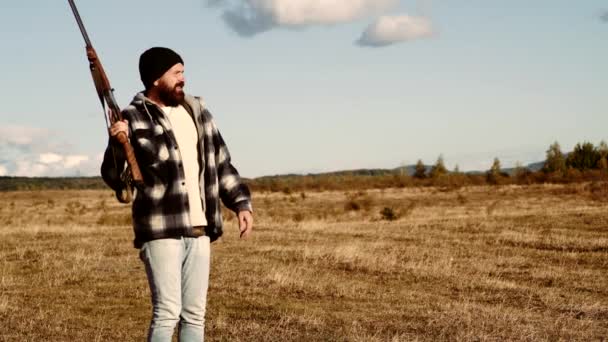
[{"x": 154, "y": 62}]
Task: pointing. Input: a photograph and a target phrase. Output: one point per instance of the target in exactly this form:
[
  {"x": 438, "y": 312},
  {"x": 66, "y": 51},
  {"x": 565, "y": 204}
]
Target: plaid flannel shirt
[{"x": 160, "y": 208}]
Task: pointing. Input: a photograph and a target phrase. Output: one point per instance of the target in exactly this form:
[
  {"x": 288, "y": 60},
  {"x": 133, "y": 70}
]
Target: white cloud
[
  {"x": 388, "y": 30},
  {"x": 306, "y": 12},
  {"x": 74, "y": 161},
  {"x": 66, "y": 161},
  {"x": 250, "y": 17},
  {"x": 35, "y": 152},
  {"x": 50, "y": 158},
  {"x": 30, "y": 168},
  {"x": 50, "y": 165}
]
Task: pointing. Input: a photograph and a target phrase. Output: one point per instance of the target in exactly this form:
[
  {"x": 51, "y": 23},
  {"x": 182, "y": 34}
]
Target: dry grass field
[{"x": 414, "y": 264}]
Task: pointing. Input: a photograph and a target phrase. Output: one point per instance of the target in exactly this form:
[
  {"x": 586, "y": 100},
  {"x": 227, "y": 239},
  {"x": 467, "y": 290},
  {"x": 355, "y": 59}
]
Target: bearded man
[{"x": 176, "y": 213}]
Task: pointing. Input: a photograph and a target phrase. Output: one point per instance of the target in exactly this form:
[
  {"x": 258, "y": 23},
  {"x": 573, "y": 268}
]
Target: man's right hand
[{"x": 118, "y": 127}]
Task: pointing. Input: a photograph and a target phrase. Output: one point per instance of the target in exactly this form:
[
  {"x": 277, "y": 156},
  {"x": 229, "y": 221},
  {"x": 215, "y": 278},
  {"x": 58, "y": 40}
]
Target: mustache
[{"x": 179, "y": 84}]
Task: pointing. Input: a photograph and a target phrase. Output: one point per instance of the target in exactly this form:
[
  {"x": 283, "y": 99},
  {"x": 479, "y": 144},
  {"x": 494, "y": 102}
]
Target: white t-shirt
[{"x": 187, "y": 142}]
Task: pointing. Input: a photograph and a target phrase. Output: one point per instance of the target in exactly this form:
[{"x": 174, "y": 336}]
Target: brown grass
[{"x": 470, "y": 264}]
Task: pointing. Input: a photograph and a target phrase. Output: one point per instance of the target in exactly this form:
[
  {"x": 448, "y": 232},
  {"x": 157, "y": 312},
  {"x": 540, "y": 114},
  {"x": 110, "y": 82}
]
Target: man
[{"x": 176, "y": 212}]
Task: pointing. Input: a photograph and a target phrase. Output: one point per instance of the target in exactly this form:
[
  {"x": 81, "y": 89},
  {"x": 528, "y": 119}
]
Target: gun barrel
[{"x": 80, "y": 24}]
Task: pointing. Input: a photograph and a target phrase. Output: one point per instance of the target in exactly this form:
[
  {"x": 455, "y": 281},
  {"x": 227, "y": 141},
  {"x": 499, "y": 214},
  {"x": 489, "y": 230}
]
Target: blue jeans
[{"x": 178, "y": 274}]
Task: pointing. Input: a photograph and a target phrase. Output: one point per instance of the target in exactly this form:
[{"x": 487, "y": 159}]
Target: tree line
[
  {"x": 586, "y": 162},
  {"x": 585, "y": 156}
]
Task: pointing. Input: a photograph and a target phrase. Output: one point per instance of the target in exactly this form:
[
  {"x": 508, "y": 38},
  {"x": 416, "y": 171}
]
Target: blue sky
[{"x": 302, "y": 86}]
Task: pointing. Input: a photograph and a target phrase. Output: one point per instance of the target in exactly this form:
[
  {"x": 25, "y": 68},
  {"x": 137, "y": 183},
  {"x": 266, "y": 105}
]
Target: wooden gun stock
[
  {"x": 107, "y": 95},
  {"x": 131, "y": 161}
]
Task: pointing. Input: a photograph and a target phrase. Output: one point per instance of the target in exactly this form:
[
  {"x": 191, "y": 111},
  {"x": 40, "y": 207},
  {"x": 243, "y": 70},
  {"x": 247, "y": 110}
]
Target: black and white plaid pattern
[{"x": 160, "y": 208}]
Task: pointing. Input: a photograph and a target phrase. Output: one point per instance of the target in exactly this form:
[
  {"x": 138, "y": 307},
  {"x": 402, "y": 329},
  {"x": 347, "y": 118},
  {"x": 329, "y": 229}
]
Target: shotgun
[{"x": 132, "y": 175}]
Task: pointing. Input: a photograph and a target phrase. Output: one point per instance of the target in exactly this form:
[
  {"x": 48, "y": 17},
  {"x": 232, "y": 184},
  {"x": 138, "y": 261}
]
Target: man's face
[{"x": 171, "y": 85}]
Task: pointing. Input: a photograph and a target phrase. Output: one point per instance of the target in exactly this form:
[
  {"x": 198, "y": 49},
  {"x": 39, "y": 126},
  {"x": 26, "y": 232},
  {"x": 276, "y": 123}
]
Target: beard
[{"x": 171, "y": 96}]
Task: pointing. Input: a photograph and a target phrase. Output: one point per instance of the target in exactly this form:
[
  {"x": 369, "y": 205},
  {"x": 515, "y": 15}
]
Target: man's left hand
[{"x": 245, "y": 223}]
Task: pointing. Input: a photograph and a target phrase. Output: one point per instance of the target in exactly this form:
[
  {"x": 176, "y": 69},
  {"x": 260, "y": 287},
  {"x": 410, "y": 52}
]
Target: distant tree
[
  {"x": 493, "y": 175},
  {"x": 456, "y": 169},
  {"x": 420, "y": 171},
  {"x": 521, "y": 173},
  {"x": 602, "y": 164},
  {"x": 584, "y": 157},
  {"x": 555, "y": 161},
  {"x": 602, "y": 149},
  {"x": 495, "y": 169},
  {"x": 439, "y": 168}
]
